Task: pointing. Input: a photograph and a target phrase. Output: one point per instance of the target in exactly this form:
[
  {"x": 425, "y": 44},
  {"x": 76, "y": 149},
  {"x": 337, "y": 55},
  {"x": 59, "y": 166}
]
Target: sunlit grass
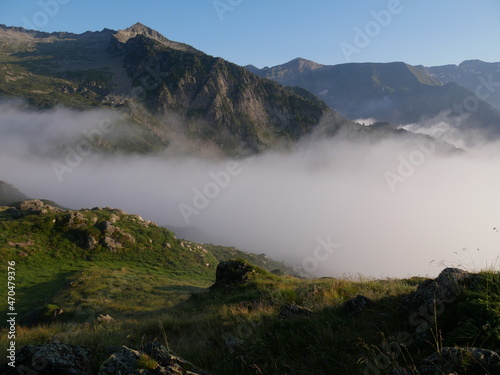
[
  {"x": 158, "y": 292},
  {"x": 240, "y": 332}
]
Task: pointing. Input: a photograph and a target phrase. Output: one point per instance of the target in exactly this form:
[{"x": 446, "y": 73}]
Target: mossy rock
[{"x": 234, "y": 272}]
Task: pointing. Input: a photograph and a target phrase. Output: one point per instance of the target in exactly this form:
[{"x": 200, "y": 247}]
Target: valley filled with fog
[{"x": 390, "y": 207}]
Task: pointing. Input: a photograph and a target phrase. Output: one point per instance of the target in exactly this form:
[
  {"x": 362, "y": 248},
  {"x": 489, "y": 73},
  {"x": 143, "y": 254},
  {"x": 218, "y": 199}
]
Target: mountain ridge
[
  {"x": 9, "y": 194},
  {"x": 480, "y": 77},
  {"x": 393, "y": 92},
  {"x": 173, "y": 94},
  {"x": 146, "y": 75}
]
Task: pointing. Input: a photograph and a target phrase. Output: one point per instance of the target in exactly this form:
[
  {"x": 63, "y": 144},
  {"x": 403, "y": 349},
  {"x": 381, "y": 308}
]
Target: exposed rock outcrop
[
  {"x": 111, "y": 244},
  {"x": 88, "y": 232},
  {"x": 14, "y": 213},
  {"x": 154, "y": 359},
  {"x": 445, "y": 288},
  {"x": 76, "y": 220},
  {"x": 64, "y": 359},
  {"x": 434, "y": 297},
  {"x": 449, "y": 308},
  {"x": 448, "y": 360},
  {"x": 357, "y": 305},
  {"x": 36, "y": 206},
  {"x": 291, "y": 311},
  {"x": 51, "y": 359},
  {"x": 105, "y": 319},
  {"x": 231, "y": 273},
  {"x": 114, "y": 237}
]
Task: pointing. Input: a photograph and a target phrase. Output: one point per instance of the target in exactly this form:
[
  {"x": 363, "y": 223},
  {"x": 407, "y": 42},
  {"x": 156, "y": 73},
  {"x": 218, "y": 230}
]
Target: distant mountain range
[
  {"x": 172, "y": 93},
  {"x": 397, "y": 92},
  {"x": 481, "y": 78}
]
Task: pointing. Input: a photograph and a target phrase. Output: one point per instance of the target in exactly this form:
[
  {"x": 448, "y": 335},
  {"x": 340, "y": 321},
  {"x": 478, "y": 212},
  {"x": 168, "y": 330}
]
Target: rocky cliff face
[{"x": 222, "y": 101}]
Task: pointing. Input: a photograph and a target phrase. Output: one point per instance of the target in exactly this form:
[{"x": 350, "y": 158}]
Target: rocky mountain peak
[
  {"x": 290, "y": 70},
  {"x": 303, "y": 65},
  {"x": 476, "y": 65},
  {"x": 139, "y": 29}
]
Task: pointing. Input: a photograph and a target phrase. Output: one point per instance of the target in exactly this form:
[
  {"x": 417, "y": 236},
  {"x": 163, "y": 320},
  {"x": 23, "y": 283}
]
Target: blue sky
[{"x": 271, "y": 32}]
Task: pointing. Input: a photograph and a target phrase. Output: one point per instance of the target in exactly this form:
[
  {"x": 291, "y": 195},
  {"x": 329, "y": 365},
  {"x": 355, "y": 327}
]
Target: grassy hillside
[
  {"x": 232, "y": 317},
  {"x": 272, "y": 324},
  {"x": 73, "y": 267},
  {"x": 97, "y": 261}
]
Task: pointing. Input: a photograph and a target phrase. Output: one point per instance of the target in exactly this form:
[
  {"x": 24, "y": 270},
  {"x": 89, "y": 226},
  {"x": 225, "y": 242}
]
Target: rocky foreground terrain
[
  {"x": 101, "y": 291},
  {"x": 438, "y": 308}
]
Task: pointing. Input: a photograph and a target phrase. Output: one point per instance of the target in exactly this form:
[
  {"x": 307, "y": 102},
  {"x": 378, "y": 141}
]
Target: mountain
[
  {"x": 393, "y": 92},
  {"x": 481, "y": 78},
  {"x": 288, "y": 71},
  {"x": 9, "y": 194},
  {"x": 164, "y": 87},
  {"x": 172, "y": 95}
]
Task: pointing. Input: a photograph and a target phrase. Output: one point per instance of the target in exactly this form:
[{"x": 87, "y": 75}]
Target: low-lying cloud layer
[{"x": 332, "y": 206}]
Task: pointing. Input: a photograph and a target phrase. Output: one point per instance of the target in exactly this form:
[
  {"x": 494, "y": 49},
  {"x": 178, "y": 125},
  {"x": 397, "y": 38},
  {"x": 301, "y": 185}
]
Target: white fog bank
[{"x": 391, "y": 208}]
